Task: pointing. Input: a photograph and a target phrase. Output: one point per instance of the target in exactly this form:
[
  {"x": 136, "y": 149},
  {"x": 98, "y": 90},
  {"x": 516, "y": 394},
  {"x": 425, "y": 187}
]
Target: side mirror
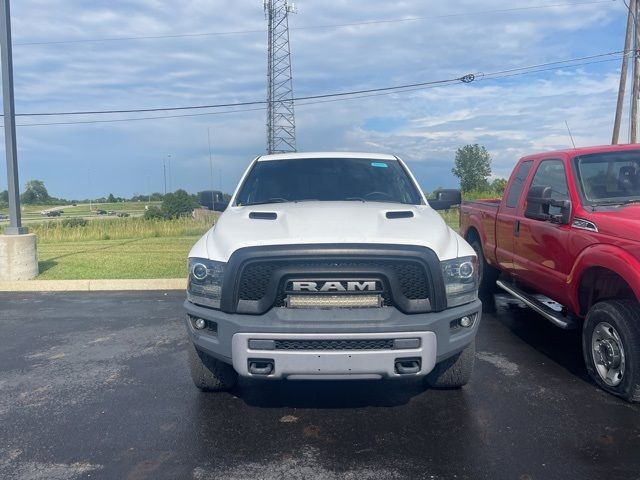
[
  {"x": 445, "y": 199},
  {"x": 220, "y": 206},
  {"x": 538, "y": 202}
]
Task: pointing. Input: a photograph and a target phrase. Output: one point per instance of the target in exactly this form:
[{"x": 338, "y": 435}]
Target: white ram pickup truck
[{"x": 331, "y": 266}]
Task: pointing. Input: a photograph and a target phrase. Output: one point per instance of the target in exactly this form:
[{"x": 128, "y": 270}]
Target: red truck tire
[
  {"x": 487, "y": 274},
  {"x": 611, "y": 347}
]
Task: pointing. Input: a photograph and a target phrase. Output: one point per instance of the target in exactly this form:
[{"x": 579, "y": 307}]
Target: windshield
[
  {"x": 328, "y": 179},
  {"x": 609, "y": 178}
]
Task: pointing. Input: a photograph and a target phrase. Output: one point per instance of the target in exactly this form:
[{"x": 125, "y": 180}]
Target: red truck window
[
  {"x": 518, "y": 184},
  {"x": 551, "y": 173}
]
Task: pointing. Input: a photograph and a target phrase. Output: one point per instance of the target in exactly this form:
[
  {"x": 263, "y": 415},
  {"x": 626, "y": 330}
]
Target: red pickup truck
[{"x": 565, "y": 240}]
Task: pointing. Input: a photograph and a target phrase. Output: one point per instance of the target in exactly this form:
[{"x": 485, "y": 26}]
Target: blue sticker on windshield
[{"x": 379, "y": 164}]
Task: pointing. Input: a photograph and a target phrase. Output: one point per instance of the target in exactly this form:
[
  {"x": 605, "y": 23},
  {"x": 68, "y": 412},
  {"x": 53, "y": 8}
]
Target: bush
[
  {"x": 154, "y": 213},
  {"x": 178, "y": 204},
  {"x": 74, "y": 222}
]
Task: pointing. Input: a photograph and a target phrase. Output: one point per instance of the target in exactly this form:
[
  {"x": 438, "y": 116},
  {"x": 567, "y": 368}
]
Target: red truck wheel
[
  {"x": 611, "y": 347},
  {"x": 486, "y": 273}
]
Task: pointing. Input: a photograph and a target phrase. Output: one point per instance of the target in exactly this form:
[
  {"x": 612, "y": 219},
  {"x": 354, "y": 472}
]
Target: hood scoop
[
  {"x": 263, "y": 215},
  {"x": 400, "y": 214}
]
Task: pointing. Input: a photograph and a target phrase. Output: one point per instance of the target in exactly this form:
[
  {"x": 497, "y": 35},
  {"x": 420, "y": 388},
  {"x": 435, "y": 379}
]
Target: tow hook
[
  {"x": 407, "y": 366},
  {"x": 260, "y": 366}
]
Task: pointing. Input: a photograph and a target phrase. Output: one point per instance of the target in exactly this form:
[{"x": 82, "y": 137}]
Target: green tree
[
  {"x": 472, "y": 167},
  {"x": 154, "y": 213},
  {"x": 499, "y": 185},
  {"x": 111, "y": 198},
  {"x": 35, "y": 192},
  {"x": 178, "y": 204}
]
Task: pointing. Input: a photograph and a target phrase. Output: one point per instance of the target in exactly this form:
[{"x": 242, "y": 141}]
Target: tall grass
[
  {"x": 451, "y": 217},
  {"x": 120, "y": 229},
  {"x": 481, "y": 194}
]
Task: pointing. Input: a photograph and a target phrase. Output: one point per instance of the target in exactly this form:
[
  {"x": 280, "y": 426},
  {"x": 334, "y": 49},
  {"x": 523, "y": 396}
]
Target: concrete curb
[{"x": 93, "y": 285}]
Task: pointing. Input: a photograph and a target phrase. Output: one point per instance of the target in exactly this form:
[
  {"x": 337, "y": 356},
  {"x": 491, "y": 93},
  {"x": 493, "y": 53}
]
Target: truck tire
[
  {"x": 611, "y": 347},
  {"x": 454, "y": 372},
  {"x": 210, "y": 374},
  {"x": 487, "y": 274}
]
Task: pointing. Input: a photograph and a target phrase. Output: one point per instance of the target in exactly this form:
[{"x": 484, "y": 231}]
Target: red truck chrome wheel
[{"x": 611, "y": 347}]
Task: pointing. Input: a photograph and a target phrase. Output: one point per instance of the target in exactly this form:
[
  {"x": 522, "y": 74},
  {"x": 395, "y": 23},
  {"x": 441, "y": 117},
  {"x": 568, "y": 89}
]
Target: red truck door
[
  {"x": 541, "y": 256},
  {"x": 507, "y": 217}
]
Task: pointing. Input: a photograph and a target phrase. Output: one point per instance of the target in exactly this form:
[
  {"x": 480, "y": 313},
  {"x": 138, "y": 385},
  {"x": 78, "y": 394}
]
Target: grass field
[
  {"x": 452, "y": 217},
  {"x": 31, "y": 213},
  {"x": 117, "y": 248},
  {"x": 115, "y": 259},
  {"x": 120, "y": 229}
]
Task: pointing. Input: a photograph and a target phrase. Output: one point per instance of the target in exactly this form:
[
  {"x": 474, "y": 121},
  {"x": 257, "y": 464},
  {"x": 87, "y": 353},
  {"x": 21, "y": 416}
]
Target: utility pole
[
  {"x": 15, "y": 221},
  {"x": 18, "y": 248},
  {"x": 210, "y": 168},
  {"x": 635, "y": 92},
  {"x": 623, "y": 72},
  {"x": 281, "y": 124}
]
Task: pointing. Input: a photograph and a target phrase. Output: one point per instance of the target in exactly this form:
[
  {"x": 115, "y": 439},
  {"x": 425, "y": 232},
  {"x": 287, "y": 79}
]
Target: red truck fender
[{"x": 609, "y": 257}]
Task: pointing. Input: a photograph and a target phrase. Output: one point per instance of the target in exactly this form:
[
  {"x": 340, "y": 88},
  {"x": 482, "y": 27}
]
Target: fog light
[
  {"x": 466, "y": 322},
  {"x": 199, "y": 324}
]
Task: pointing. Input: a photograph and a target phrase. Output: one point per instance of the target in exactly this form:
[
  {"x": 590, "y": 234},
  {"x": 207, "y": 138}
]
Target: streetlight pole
[
  {"x": 18, "y": 248},
  {"x": 170, "y": 183},
  {"x": 15, "y": 221},
  {"x": 164, "y": 171}
]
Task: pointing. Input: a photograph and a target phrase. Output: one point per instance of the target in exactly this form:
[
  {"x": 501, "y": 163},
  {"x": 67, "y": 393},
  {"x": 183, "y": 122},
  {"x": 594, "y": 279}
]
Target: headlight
[
  {"x": 205, "y": 282},
  {"x": 460, "y": 280}
]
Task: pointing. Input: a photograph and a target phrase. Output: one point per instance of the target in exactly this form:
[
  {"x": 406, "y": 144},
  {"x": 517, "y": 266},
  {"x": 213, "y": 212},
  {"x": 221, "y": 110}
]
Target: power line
[
  {"x": 464, "y": 79},
  {"x": 238, "y": 104},
  {"x": 579, "y": 59},
  {"x": 316, "y": 27},
  {"x": 373, "y": 93}
]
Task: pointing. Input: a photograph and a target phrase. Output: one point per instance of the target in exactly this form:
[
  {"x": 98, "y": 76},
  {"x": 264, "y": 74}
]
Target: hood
[
  {"x": 620, "y": 222},
  {"x": 329, "y": 222}
]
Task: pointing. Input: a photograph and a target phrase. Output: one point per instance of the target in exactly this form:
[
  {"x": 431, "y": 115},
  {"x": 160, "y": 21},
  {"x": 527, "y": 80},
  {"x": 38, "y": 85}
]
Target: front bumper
[
  {"x": 332, "y": 364},
  {"x": 228, "y": 341}
]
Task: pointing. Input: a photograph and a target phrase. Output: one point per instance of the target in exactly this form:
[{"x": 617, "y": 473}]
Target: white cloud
[{"x": 511, "y": 117}]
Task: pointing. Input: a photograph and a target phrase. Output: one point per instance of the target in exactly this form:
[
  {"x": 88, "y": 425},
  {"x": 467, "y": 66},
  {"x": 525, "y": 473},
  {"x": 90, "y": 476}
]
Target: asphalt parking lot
[{"x": 96, "y": 385}]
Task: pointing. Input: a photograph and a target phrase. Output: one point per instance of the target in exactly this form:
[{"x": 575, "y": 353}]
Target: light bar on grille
[{"x": 333, "y": 301}]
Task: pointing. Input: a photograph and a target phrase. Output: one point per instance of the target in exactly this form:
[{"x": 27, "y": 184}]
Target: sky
[{"x": 57, "y": 69}]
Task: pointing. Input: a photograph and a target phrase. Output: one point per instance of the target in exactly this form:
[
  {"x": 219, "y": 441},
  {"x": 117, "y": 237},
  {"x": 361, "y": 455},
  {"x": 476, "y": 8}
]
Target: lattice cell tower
[{"x": 281, "y": 123}]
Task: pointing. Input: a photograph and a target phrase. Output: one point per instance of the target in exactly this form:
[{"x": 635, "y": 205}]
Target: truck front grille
[
  {"x": 411, "y": 277},
  {"x": 406, "y": 277}
]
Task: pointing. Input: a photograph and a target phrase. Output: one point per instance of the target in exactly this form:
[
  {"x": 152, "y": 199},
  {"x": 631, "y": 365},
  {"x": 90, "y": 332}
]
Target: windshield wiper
[{"x": 616, "y": 202}]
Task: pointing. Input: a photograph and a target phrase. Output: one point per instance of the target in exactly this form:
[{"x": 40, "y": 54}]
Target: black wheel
[
  {"x": 210, "y": 374},
  {"x": 486, "y": 273},
  {"x": 454, "y": 372},
  {"x": 611, "y": 347}
]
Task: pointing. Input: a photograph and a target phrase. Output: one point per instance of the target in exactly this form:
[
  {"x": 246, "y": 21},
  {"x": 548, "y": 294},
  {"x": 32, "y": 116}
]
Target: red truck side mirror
[
  {"x": 444, "y": 199},
  {"x": 538, "y": 202}
]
